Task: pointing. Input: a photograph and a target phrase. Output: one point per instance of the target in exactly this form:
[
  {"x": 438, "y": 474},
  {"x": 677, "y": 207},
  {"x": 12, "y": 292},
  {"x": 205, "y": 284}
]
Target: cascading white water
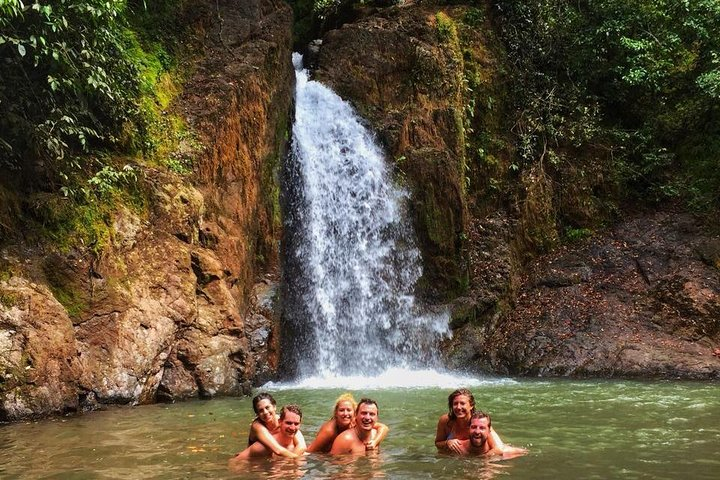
[{"x": 355, "y": 261}]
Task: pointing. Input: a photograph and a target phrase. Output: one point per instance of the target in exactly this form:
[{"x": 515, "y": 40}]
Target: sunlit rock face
[
  {"x": 180, "y": 303},
  {"x": 38, "y": 352}
]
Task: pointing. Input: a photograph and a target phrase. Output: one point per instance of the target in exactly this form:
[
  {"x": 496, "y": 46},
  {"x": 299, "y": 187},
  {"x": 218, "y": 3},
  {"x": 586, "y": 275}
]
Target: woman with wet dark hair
[
  {"x": 266, "y": 423},
  {"x": 454, "y": 426}
]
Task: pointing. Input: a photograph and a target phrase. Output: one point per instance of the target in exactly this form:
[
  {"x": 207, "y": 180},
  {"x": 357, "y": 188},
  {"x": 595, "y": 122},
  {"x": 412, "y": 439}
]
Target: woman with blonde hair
[{"x": 342, "y": 419}]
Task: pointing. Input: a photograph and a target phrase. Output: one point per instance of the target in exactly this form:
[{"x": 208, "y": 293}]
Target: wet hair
[
  {"x": 366, "y": 401},
  {"x": 480, "y": 414},
  {"x": 345, "y": 397},
  {"x": 457, "y": 393},
  {"x": 259, "y": 397},
  {"x": 291, "y": 408}
]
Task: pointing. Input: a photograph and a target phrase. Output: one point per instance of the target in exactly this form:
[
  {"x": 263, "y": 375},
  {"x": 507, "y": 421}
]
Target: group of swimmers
[{"x": 354, "y": 429}]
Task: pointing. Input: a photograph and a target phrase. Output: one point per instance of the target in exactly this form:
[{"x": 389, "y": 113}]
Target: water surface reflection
[{"x": 607, "y": 429}]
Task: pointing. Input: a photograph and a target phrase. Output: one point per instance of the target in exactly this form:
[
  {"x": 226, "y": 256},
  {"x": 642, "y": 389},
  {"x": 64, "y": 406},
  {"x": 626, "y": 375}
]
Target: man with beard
[
  {"x": 478, "y": 444},
  {"x": 355, "y": 439},
  {"x": 290, "y": 419}
]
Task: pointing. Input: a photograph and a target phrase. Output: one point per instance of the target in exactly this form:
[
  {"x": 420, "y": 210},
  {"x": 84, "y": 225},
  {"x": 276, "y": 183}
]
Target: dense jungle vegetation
[
  {"x": 638, "y": 77},
  {"x": 638, "y": 80},
  {"x": 85, "y": 86}
]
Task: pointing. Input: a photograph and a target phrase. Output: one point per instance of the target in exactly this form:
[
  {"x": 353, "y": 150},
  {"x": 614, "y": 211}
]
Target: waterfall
[{"x": 350, "y": 260}]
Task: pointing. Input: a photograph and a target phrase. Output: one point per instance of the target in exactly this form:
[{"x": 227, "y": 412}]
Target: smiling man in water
[
  {"x": 290, "y": 419},
  {"x": 478, "y": 444},
  {"x": 355, "y": 440}
]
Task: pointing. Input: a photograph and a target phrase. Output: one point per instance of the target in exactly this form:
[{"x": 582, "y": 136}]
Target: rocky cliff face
[
  {"x": 180, "y": 304},
  {"x": 640, "y": 300},
  {"x": 403, "y": 74},
  {"x": 627, "y": 303}
]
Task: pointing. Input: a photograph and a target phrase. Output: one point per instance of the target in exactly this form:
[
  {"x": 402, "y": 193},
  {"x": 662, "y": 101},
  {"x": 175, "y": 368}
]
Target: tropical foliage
[
  {"x": 73, "y": 77},
  {"x": 66, "y": 81},
  {"x": 641, "y": 77},
  {"x": 84, "y": 87}
]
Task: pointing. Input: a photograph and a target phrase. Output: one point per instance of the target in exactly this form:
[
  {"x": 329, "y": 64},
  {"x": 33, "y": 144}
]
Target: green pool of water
[{"x": 573, "y": 429}]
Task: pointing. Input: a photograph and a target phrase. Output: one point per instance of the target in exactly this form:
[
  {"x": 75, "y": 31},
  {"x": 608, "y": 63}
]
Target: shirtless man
[
  {"x": 343, "y": 419},
  {"x": 290, "y": 419},
  {"x": 354, "y": 440},
  {"x": 478, "y": 444}
]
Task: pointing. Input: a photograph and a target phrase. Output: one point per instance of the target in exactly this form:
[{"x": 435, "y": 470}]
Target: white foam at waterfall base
[{"x": 392, "y": 378}]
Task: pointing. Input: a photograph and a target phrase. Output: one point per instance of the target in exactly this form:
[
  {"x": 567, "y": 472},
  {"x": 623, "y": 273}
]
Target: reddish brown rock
[
  {"x": 40, "y": 369},
  {"x": 167, "y": 310}
]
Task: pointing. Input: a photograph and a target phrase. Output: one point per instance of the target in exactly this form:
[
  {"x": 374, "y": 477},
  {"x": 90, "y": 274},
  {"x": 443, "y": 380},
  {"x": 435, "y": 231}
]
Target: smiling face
[
  {"x": 462, "y": 406},
  {"x": 290, "y": 424},
  {"x": 367, "y": 415},
  {"x": 265, "y": 410},
  {"x": 479, "y": 431},
  {"x": 344, "y": 413}
]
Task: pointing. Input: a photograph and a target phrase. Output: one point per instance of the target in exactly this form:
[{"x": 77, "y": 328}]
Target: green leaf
[{"x": 21, "y": 50}]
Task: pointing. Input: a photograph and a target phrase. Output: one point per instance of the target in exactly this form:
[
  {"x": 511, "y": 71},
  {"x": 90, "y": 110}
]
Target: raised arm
[
  {"x": 263, "y": 436},
  {"x": 495, "y": 441},
  {"x": 380, "y": 432},
  {"x": 324, "y": 439},
  {"x": 299, "y": 443}
]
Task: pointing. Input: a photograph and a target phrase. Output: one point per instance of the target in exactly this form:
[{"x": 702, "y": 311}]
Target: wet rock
[
  {"x": 39, "y": 367},
  {"x": 462, "y": 311},
  {"x": 310, "y": 58},
  {"x": 709, "y": 252},
  {"x": 635, "y": 301},
  {"x": 393, "y": 66}
]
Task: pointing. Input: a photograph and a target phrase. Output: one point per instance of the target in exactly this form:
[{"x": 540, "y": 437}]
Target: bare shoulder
[
  {"x": 346, "y": 436},
  {"x": 344, "y": 442},
  {"x": 328, "y": 427},
  {"x": 444, "y": 419}
]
